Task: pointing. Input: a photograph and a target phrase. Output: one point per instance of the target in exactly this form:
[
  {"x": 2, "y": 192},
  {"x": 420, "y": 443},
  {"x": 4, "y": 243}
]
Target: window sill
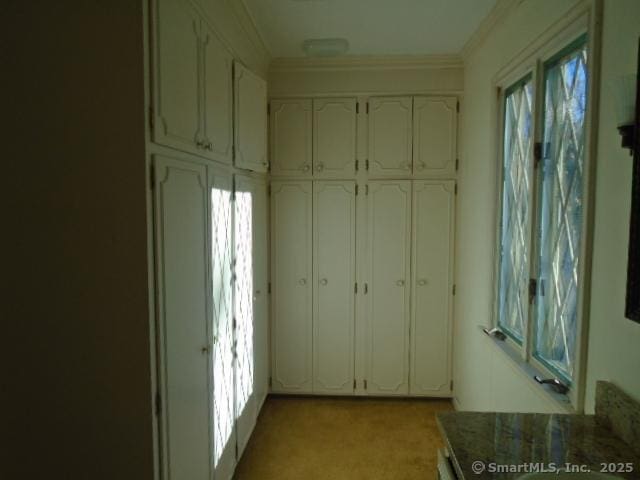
[{"x": 526, "y": 371}]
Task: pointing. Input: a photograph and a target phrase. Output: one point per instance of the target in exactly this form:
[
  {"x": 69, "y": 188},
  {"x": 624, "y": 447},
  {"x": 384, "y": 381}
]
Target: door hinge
[
  {"x": 367, "y": 108},
  {"x": 270, "y": 382},
  {"x": 356, "y": 165},
  {"x": 365, "y": 384},
  {"x": 158, "y": 403},
  {"x": 451, "y": 385},
  {"x": 457, "y": 164},
  {"x": 357, "y": 107},
  {"x": 354, "y": 384},
  {"x": 366, "y": 288},
  {"x": 458, "y": 106},
  {"x": 269, "y": 288},
  {"x": 356, "y": 189},
  {"x": 268, "y": 109},
  {"x": 152, "y": 176},
  {"x": 533, "y": 289},
  {"x": 366, "y": 189},
  {"x": 453, "y": 290},
  {"x": 455, "y": 189},
  {"x": 366, "y": 164},
  {"x": 269, "y": 190},
  {"x": 355, "y": 287},
  {"x": 152, "y": 118},
  {"x": 233, "y": 152}
]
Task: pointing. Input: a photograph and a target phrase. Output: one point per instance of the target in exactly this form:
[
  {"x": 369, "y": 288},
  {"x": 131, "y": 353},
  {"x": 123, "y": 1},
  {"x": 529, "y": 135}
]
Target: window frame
[{"x": 562, "y": 38}]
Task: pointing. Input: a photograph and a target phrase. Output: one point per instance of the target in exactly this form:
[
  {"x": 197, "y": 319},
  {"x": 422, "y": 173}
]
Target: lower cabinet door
[
  {"x": 389, "y": 225},
  {"x": 291, "y": 279},
  {"x": 181, "y": 242},
  {"x": 221, "y": 254},
  {"x": 432, "y": 283},
  {"x": 334, "y": 222}
]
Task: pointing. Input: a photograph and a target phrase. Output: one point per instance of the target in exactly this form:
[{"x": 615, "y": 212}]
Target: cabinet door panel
[
  {"x": 291, "y": 137},
  {"x": 181, "y": 241},
  {"x": 218, "y": 98},
  {"x": 389, "y": 212},
  {"x": 390, "y": 120},
  {"x": 433, "y": 227},
  {"x": 221, "y": 247},
  {"x": 334, "y": 218},
  {"x": 291, "y": 223},
  {"x": 334, "y": 137},
  {"x": 177, "y": 93},
  {"x": 434, "y": 135},
  {"x": 250, "y": 120}
]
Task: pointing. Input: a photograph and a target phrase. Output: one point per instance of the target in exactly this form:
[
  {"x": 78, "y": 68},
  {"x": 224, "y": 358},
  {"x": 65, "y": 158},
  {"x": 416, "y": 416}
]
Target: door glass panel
[
  {"x": 561, "y": 199},
  {"x": 243, "y": 299},
  {"x": 514, "y": 234},
  {"x": 221, "y": 252}
]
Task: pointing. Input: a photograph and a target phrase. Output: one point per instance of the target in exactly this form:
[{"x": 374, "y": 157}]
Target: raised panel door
[
  {"x": 434, "y": 136},
  {"x": 185, "y": 363},
  {"x": 291, "y": 134},
  {"x": 432, "y": 283},
  {"x": 334, "y": 220},
  {"x": 389, "y": 225},
  {"x": 291, "y": 279},
  {"x": 217, "y": 121},
  {"x": 250, "y": 120},
  {"x": 390, "y": 131},
  {"x": 177, "y": 84},
  {"x": 334, "y": 137}
]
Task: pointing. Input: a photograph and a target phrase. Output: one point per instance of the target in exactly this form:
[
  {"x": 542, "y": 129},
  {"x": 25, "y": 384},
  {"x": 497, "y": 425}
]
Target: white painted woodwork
[
  {"x": 334, "y": 137},
  {"x": 389, "y": 253},
  {"x": 390, "y": 133},
  {"x": 291, "y": 278},
  {"x": 221, "y": 251},
  {"x": 432, "y": 283},
  {"x": 217, "y": 122},
  {"x": 177, "y": 81},
  {"x": 334, "y": 227},
  {"x": 291, "y": 143},
  {"x": 250, "y": 120},
  {"x": 181, "y": 242},
  {"x": 434, "y": 136}
]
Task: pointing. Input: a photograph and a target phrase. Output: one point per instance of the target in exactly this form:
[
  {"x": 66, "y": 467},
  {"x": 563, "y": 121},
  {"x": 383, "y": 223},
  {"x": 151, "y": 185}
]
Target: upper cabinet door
[
  {"x": 432, "y": 296},
  {"x": 334, "y": 137},
  {"x": 434, "y": 136},
  {"x": 291, "y": 137},
  {"x": 389, "y": 254},
  {"x": 177, "y": 87},
  {"x": 250, "y": 120},
  {"x": 390, "y": 120},
  {"x": 217, "y": 84}
]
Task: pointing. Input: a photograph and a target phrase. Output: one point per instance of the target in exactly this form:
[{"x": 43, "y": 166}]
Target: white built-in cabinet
[
  {"x": 291, "y": 279},
  {"x": 291, "y": 141},
  {"x": 390, "y": 130},
  {"x": 434, "y": 136},
  {"x": 250, "y": 93},
  {"x": 334, "y": 137}
]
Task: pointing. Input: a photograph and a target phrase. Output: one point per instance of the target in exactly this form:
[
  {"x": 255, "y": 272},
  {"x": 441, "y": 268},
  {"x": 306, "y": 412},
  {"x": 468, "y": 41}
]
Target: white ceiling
[{"x": 372, "y": 27}]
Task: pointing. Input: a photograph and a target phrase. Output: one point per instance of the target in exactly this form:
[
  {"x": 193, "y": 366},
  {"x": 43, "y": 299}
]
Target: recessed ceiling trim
[
  {"x": 499, "y": 11},
  {"x": 367, "y": 62}
]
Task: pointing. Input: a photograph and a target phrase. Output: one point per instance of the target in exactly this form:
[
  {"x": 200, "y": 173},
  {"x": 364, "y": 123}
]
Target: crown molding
[
  {"x": 366, "y": 62},
  {"x": 247, "y": 22},
  {"x": 498, "y": 13}
]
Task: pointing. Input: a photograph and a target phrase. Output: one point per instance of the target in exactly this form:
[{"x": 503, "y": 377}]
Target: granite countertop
[{"x": 513, "y": 439}]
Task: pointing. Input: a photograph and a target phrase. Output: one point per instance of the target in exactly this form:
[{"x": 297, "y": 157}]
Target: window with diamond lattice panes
[
  {"x": 513, "y": 274},
  {"x": 560, "y": 222}
]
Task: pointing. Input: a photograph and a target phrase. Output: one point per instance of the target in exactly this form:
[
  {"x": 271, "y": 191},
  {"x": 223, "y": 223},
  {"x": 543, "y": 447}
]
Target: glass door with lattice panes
[{"x": 221, "y": 218}]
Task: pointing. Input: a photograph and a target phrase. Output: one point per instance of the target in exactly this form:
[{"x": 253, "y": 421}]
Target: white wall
[
  {"x": 614, "y": 341},
  {"x": 485, "y": 378}
]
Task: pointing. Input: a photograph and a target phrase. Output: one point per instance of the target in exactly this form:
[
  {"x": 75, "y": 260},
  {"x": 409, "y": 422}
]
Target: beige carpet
[{"x": 308, "y": 438}]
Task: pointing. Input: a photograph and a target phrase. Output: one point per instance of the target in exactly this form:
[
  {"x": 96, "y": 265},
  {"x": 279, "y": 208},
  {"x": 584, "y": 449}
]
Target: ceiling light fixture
[{"x": 325, "y": 47}]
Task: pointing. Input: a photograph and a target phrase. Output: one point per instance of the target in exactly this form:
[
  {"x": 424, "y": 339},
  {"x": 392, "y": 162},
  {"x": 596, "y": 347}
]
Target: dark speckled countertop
[{"x": 514, "y": 439}]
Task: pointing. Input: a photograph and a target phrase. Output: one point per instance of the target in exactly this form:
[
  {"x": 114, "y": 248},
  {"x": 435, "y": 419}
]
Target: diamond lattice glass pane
[
  {"x": 243, "y": 299},
  {"x": 561, "y": 212},
  {"x": 223, "y": 408},
  {"x": 514, "y": 232}
]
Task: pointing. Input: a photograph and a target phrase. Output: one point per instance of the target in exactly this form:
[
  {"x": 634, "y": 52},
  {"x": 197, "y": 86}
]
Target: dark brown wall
[{"x": 74, "y": 329}]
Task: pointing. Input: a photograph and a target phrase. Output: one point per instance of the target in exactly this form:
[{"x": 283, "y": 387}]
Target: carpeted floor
[{"x": 303, "y": 438}]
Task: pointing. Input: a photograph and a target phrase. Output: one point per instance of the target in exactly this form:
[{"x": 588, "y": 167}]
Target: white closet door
[
  {"x": 244, "y": 309},
  {"x": 334, "y": 137},
  {"x": 291, "y": 279},
  {"x": 177, "y": 86},
  {"x": 250, "y": 120},
  {"x": 434, "y": 135},
  {"x": 334, "y": 220},
  {"x": 291, "y": 137},
  {"x": 181, "y": 242},
  {"x": 218, "y": 98},
  {"x": 220, "y": 188},
  {"x": 389, "y": 213},
  {"x": 433, "y": 229},
  {"x": 390, "y": 120},
  {"x": 260, "y": 292}
]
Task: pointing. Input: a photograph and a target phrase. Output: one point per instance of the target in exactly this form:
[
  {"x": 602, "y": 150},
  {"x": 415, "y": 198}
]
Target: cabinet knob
[
  {"x": 406, "y": 166},
  {"x": 421, "y": 166},
  {"x": 210, "y": 146},
  {"x": 302, "y": 281},
  {"x": 400, "y": 283},
  {"x": 319, "y": 167},
  {"x": 324, "y": 281},
  {"x": 205, "y": 349},
  {"x": 199, "y": 144},
  {"x": 306, "y": 168},
  {"x": 422, "y": 282}
]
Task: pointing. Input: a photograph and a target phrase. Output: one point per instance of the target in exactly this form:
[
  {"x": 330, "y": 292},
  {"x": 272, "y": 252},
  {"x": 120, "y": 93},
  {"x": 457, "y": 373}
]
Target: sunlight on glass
[
  {"x": 221, "y": 256},
  {"x": 514, "y": 232},
  {"x": 561, "y": 212}
]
